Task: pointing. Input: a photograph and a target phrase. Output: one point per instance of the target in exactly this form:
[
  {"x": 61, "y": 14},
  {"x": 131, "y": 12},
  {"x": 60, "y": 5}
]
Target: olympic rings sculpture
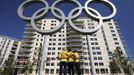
[{"x": 41, "y": 12}]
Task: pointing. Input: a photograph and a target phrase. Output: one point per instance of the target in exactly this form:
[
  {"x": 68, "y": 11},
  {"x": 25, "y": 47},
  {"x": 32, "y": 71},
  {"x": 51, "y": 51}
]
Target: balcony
[
  {"x": 28, "y": 41},
  {"x": 74, "y": 36},
  {"x": 30, "y": 33},
  {"x": 79, "y": 23},
  {"x": 26, "y": 45},
  {"x": 75, "y": 45},
  {"x": 23, "y": 55},
  {"x": 28, "y": 37},
  {"x": 25, "y": 50},
  {"x": 74, "y": 40},
  {"x": 19, "y": 66}
]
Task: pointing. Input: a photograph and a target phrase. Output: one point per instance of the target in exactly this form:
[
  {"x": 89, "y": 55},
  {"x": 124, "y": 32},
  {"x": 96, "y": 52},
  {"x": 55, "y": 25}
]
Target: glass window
[
  {"x": 97, "y": 71},
  {"x": 96, "y": 64},
  {"x": 53, "y": 48},
  {"x": 109, "y": 23},
  {"x": 99, "y": 58},
  {"x": 52, "y": 71},
  {"x": 53, "y": 53},
  {"x": 94, "y": 53},
  {"x": 87, "y": 71},
  {"x": 95, "y": 58},
  {"x": 101, "y": 64},
  {"x": 99, "y": 53},
  {"x": 102, "y": 71},
  {"x": 112, "y": 31},
  {"x": 115, "y": 39},
  {"x": 47, "y": 71},
  {"x": 47, "y": 64},
  {"x": 57, "y": 71},
  {"x": 49, "y": 48},
  {"x": 52, "y": 64},
  {"x": 116, "y": 43},
  {"x": 59, "y": 48},
  {"x": 48, "y": 53}
]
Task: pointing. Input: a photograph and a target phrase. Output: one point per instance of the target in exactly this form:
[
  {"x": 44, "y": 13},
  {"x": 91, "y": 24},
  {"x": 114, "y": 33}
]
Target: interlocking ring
[{"x": 61, "y": 15}]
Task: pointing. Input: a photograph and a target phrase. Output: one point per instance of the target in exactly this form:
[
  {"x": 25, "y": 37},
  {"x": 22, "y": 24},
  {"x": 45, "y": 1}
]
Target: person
[
  {"x": 77, "y": 62},
  {"x": 70, "y": 62},
  {"x": 63, "y": 62}
]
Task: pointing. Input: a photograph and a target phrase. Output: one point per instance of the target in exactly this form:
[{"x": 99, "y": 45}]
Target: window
[
  {"x": 50, "y": 44},
  {"x": 86, "y": 64},
  {"x": 96, "y": 64},
  {"x": 112, "y": 31},
  {"x": 59, "y": 48},
  {"x": 57, "y": 71},
  {"x": 87, "y": 71},
  {"x": 59, "y": 43},
  {"x": 52, "y": 71},
  {"x": 47, "y": 64},
  {"x": 115, "y": 39},
  {"x": 98, "y": 53},
  {"x": 91, "y": 39},
  {"x": 63, "y": 44},
  {"x": 96, "y": 43},
  {"x": 58, "y": 64},
  {"x": 53, "y": 53},
  {"x": 102, "y": 71},
  {"x": 111, "y": 27},
  {"x": 63, "y": 39},
  {"x": 94, "y": 53},
  {"x": 47, "y": 71},
  {"x": 48, "y": 53},
  {"x": 49, "y": 48},
  {"x": 99, "y": 58},
  {"x": 93, "y": 48},
  {"x": 97, "y": 71},
  {"x": 50, "y": 39},
  {"x": 92, "y": 43},
  {"x": 113, "y": 34},
  {"x": 53, "y": 48},
  {"x": 59, "y": 39},
  {"x": 54, "y": 39},
  {"x": 101, "y": 64},
  {"x": 52, "y": 64},
  {"x": 116, "y": 43},
  {"x": 54, "y": 43},
  {"x": 109, "y": 23},
  {"x": 97, "y": 48},
  {"x": 95, "y": 58}
]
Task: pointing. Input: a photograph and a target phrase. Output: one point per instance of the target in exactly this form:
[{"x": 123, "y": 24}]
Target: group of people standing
[{"x": 70, "y": 60}]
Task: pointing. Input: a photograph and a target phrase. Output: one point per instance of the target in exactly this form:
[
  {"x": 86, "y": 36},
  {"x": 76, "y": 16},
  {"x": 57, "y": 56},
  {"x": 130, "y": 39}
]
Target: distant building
[
  {"x": 8, "y": 46},
  {"x": 103, "y": 43}
]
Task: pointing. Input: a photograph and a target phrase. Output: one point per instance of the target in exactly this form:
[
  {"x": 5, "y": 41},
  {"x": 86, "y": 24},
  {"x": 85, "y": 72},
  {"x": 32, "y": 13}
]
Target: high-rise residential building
[
  {"x": 8, "y": 47},
  {"x": 102, "y": 45}
]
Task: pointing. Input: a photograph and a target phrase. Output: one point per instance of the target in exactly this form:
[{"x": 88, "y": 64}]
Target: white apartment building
[
  {"x": 8, "y": 46},
  {"x": 103, "y": 43}
]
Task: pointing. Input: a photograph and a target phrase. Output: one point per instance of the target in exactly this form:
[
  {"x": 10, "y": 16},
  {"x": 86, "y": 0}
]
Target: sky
[{"x": 11, "y": 24}]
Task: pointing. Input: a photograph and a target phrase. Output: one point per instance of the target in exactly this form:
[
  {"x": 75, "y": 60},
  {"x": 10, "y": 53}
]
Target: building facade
[
  {"x": 102, "y": 45},
  {"x": 8, "y": 47}
]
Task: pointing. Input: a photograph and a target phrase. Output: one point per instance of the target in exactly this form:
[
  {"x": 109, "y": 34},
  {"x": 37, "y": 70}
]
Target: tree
[
  {"x": 28, "y": 67},
  {"x": 8, "y": 66},
  {"x": 120, "y": 63},
  {"x": 114, "y": 68}
]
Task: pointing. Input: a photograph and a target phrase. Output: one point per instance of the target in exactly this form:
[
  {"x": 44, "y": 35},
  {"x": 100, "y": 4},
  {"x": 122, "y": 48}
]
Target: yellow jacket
[
  {"x": 63, "y": 56},
  {"x": 70, "y": 56},
  {"x": 77, "y": 57}
]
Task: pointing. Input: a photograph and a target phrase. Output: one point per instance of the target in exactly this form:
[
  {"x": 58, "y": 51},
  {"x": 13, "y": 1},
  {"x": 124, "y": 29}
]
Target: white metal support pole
[
  {"x": 42, "y": 59},
  {"x": 90, "y": 55}
]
